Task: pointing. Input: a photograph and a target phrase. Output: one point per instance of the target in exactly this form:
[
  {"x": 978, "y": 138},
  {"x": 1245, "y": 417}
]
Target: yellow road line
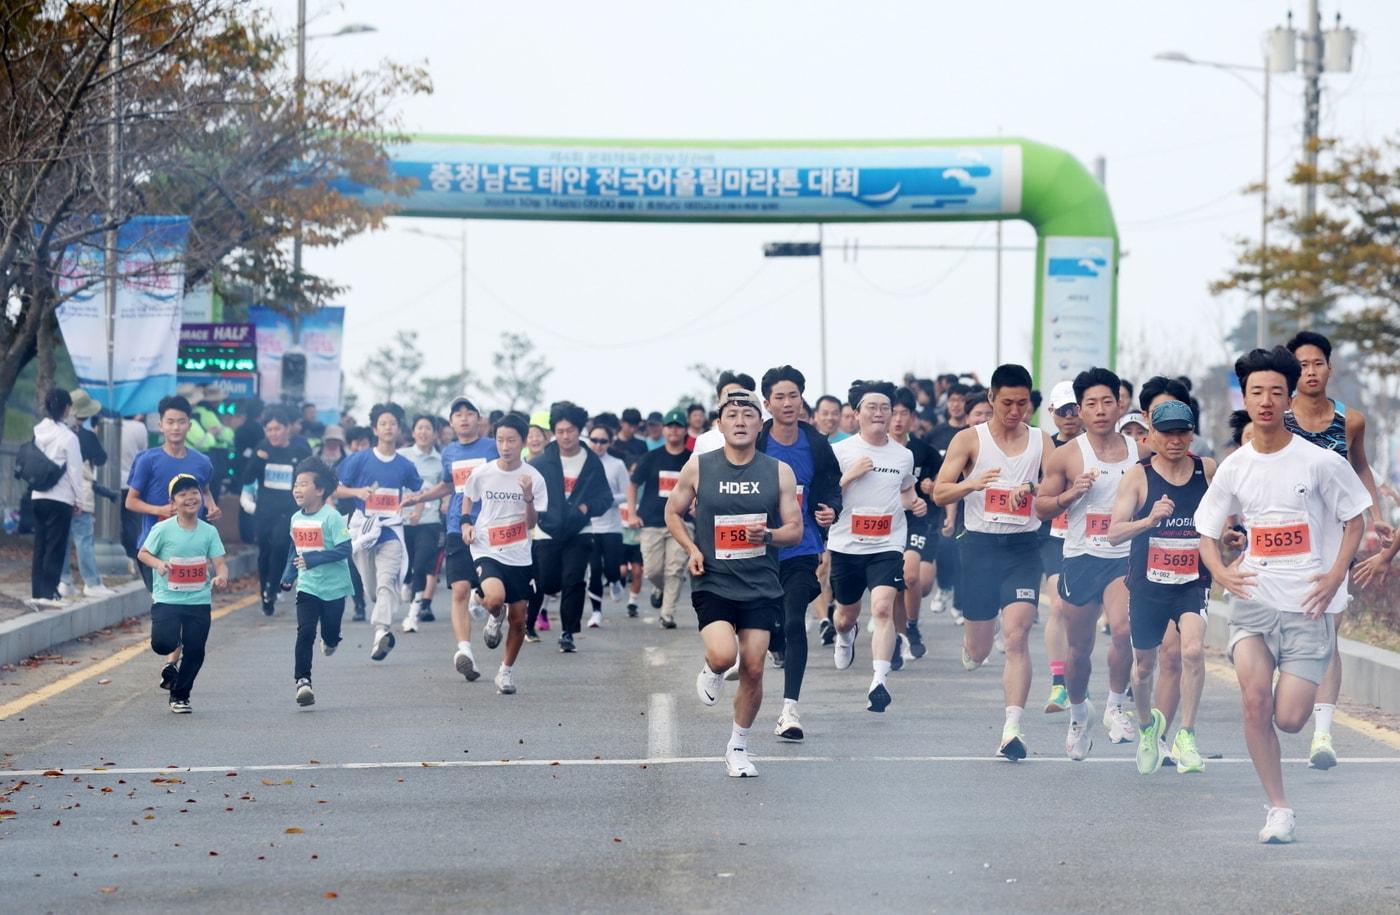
[{"x": 63, "y": 684}]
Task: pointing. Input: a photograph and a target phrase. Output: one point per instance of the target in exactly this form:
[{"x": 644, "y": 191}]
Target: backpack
[{"x": 35, "y": 468}]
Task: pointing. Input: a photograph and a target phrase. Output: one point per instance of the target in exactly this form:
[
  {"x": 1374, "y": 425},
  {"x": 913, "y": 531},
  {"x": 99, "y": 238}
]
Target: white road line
[
  {"x": 661, "y": 726},
  {"x": 652, "y": 761},
  {"x": 655, "y": 657}
]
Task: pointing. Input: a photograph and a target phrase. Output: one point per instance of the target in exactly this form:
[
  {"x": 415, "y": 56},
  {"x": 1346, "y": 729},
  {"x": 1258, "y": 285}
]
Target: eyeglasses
[
  {"x": 600, "y": 441},
  {"x": 1069, "y": 409}
]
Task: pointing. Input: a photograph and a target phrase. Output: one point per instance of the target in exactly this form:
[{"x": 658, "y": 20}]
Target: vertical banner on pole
[
  {"x": 1076, "y": 329},
  {"x": 321, "y": 333}
]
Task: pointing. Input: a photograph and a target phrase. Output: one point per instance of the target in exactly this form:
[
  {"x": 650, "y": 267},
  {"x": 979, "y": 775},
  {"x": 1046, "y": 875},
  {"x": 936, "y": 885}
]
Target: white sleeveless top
[
  {"x": 990, "y": 511},
  {"x": 1090, "y": 515}
]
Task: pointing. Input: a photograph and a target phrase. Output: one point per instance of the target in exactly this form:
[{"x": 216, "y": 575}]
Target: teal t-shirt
[
  {"x": 322, "y": 531},
  {"x": 187, "y": 552}
]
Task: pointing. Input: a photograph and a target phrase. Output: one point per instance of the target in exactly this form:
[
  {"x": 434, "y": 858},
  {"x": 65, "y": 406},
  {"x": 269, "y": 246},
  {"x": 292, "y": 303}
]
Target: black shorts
[
  {"x": 1052, "y": 555},
  {"x": 632, "y": 553},
  {"x": 760, "y": 613},
  {"x": 1084, "y": 579},
  {"x": 852, "y": 575},
  {"x": 457, "y": 561},
  {"x": 519, "y": 581},
  {"x": 918, "y": 539},
  {"x": 1149, "y": 618},
  {"x": 997, "y": 570},
  {"x": 933, "y": 526},
  {"x": 799, "y": 578},
  {"x": 949, "y": 562}
]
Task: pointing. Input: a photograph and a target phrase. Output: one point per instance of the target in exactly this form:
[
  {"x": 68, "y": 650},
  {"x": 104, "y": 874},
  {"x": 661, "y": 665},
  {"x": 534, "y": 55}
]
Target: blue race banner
[
  {"x": 321, "y": 333},
  {"x": 150, "y": 289}
]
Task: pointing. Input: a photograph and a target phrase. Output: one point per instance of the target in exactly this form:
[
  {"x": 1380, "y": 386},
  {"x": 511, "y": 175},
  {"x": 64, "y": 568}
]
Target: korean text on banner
[
  {"x": 1077, "y": 320},
  {"x": 321, "y": 333}
]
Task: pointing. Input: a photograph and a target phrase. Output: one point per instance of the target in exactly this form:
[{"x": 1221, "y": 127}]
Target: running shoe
[
  {"x": 180, "y": 706},
  {"x": 425, "y": 612},
  {"x": 595, "y": 619},
  {"x": 879, "y": 698},
  {"x": 789, "y": 727},
  {"x": 845, "y": 650},
  {"x": 476, "y": 608},
  {"x": 493, "y": 628},
  {"x": 779, "y": 659},
  {"x": 1278, "y": 827},
  {"x": 870, "y": 626},
  {"x": 732, "y": 674},
  {"x": 505, "y": 682},
  {"x": 542, "y": 623},
  {"x": 1149, "y": 748},
  {"x": 327, "y": 648},
  {"x": 736, "y": 763},
  {"x": 1167, "y": 758},
  {"x": 304, "y": 694},
  {"x": 668, "y": 621},
  {"x": 359, "y": 615},
  {"x": 917, "y": 649},
  {"x": 531, "y": 635},
  {"x": 967, "y": 662},
  {"x": 1320, "y": 754},
  {"x": 656, "y": 598},
  {"x": 1078, "y": 743},
  {"x": 168, "y": 673},
  {"x": 410, "y": 622},
  {"x": 268, "y": 607},
  {"x": 828, "y": 632},
  {"x": 466, "y": 665},
  {"x": 1121, "y": 726},
  {"x": 1188, "y": 758},
  {"x": 1013, "y": 743},
  {"x": 566, "y": 643},
  {"x": 383, "y": 644},
  {"x": 97, "y": 591},
  {"x": 615, "y": 589},
  {"x": 998, "y": 642},
  {"x": 937, "y": 601},
  {"x": 632, "y": 608},
  {"x": 897, "y": 659},
  {"x": 956, "y": 614},
  {"x": 1059, "y": 699},
  {"x": 709, "y": 686}
]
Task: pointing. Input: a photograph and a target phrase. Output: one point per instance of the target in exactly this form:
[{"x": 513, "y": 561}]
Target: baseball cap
[
  {"x": 1172, "y": 416},
  {"x": 334, "y": 434},
  {"x": 1062, "y": 395},
  {"x": 741, "y": 398},
  {"x": 673, "y": 418},
  {"x": 181, "y": 482},
  {"x": 1133, "y": 417},
  {"x": 462, "y": 400}
]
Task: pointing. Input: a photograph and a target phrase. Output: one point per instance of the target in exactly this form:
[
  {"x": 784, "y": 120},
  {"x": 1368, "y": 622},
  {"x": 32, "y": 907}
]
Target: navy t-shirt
[
  {"x": 151, "y": 474},
  {"x": 798, "y": 456}
]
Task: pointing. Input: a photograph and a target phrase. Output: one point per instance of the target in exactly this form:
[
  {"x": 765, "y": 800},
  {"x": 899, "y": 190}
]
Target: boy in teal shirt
[
  {"x": 178, "y": 550},
  {"x": 318, "y": 564}
]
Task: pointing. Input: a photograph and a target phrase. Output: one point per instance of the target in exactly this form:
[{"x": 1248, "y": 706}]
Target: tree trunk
[{"x": 48, "y": 324}]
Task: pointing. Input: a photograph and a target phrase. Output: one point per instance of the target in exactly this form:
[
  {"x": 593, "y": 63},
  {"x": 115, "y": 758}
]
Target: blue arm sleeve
[
  {"x": 334, "y": 554},
  {"x": 289, "y": 571}
]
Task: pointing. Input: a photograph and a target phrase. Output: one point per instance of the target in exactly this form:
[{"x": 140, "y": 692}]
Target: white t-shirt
[
  {"x": 500, "y": 532},
  {"x": 872, "y": 513},
  {"x": 611, "y": 523},
  {"x": 1293, "y": 502},
  {"x": 710, "y": 440}
]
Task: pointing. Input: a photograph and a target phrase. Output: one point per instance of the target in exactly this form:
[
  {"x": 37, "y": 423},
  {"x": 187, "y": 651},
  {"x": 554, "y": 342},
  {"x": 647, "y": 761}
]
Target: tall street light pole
[
  {"x": 461, "y": 243},
  {"x": 108, "y": 550},
  {"x": 809, "y": 249}
]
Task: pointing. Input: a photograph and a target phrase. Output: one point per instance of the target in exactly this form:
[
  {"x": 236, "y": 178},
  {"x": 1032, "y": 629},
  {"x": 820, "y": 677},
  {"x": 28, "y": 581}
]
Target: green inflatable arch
[{"x": 803, "y": 181}]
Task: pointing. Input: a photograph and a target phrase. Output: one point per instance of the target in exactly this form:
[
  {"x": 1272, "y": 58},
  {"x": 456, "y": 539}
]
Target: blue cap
[{"x": 1172, "y": 416}]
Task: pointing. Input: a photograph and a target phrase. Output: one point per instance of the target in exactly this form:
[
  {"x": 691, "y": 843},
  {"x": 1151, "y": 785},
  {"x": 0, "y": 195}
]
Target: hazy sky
[{"x": 1180, "y": 143}]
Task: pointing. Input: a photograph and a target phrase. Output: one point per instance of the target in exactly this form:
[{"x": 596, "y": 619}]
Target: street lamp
[
  {"x": 1178, "y": 57},
  {"x": 808, "y": 249},
  {"x": 461, "y": 243}
]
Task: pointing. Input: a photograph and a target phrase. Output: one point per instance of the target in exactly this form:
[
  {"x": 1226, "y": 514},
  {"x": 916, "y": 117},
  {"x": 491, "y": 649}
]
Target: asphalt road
[{"x": 599, "y": 787}]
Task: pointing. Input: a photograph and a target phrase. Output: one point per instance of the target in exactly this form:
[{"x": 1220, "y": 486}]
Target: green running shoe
[
  {"x": 1059, "y": 699},
  {"x": 1188, "y": 758},
  {"x": 1149, "y": 752}
]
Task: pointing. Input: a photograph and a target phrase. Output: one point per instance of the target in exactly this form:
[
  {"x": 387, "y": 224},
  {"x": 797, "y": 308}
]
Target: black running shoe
[
  {"x": 897, "y": 659},
  {"x": 566, "y": 643},
  {"x": 879, "y": 699},
  {"x": 359, "y": 615},
  {"x": 425, "y": 611},
  {"x": 655, "y": 600},
  {"x": 168, "y": 673},
  {"x": 917, "y": 649},
  {"x": 828, "y": 633},
  {"x": 631, "y": 611}
]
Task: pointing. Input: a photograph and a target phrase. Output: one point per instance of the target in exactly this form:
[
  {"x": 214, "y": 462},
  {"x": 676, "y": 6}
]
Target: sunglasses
[
  {"x": 600, "y": 441},
  {"x": 1069, "y": 409}
]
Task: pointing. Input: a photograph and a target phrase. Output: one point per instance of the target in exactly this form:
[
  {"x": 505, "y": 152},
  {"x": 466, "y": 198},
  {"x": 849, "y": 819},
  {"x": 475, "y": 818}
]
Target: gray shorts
[{"x": 1300, "y": 646}]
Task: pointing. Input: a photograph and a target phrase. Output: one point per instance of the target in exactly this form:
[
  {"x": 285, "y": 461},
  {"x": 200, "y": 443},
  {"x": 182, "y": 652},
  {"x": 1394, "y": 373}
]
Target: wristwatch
[{"x": 767, "y": 538}]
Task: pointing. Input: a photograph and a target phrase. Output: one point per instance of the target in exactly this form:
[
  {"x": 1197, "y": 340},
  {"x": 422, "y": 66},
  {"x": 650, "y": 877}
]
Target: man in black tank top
[
  {"x": 745, "y": 508},
  {"x": 1156, "y": 511}
]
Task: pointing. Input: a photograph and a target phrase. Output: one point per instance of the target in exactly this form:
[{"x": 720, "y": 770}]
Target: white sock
[
  {"x": 1013, "y": 714},
  {"x": 789, "y": 706},
  {"x": 1116, "y": 699},
  {"x": 845, "y": 639},
  {"x": 1323, "y": 712},
  {"x": 882, "y": 670},
  {"x": 1079, "y": 712},
  {"x": 465, "y": 648},
  {"x": 739, "y": 738},
  {"x": 505, "y": 668}
]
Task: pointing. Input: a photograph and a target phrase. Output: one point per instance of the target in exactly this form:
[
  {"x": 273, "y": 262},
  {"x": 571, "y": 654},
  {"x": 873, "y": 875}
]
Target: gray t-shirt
[{"x": 430, "y": 469}]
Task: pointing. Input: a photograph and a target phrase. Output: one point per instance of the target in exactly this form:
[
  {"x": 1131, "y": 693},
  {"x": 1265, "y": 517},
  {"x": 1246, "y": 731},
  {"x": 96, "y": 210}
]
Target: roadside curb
[
  {"x": 37, "y": 632},
  {"x": 1370, "y": 675}
]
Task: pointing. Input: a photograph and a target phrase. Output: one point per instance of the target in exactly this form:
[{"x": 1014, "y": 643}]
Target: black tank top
[
  {"x": 727, "y": 497},
  {"x": 1162, "y": 560}
]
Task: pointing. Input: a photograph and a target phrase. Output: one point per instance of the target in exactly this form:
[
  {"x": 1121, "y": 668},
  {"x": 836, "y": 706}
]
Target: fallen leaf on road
[
  {"x": 107, "y": 790},
  {"x": 231, "y": 774},
  {"x": 330, "y": 894},
  {"x": 314, "y": 762},
  {"x": 106, "y": 889},
  {"x": 149, "y": 816},
  {"x": 616, "y": 839},
  {"x": 8, "y": 814},
  {"x": 58, "y": 822},
  {"x": 286, "y": 781},
  {"x": 104, "y": 681},
  {"x": 294, "y": 830},
  {"x": 268, "y": 781},
  {"x": 213, "y": 854},
  {"x": 52, "y": 773}
]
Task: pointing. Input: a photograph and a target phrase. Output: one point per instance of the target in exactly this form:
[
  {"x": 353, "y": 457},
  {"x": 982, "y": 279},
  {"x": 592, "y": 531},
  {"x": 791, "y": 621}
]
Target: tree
[
  {"x": 520, "y": 373},
  {"x": 393, "y": 369}
]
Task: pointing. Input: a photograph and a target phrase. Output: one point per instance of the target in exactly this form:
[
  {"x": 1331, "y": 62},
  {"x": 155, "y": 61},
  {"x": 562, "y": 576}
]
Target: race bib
[
  {"x": 1173, "y": 560},
  {"x": 732, "y": 537},
  {"x": 383, "y": 502},
  {"x": 1096, "y": 530},
  {"x": 507, "y": 533},
  {"x": 1060, "y": 526},
  {"x": 666, "y": 480},
  {"x": 308, "y": 535},
  {"x": 1281, "y": 541},
  {"x": 998, "y": 504},
  {"x": 187, "y": 573},
  {"x": 277, "y": 476},
  {"x": 871, "y": 526},
  {"x": 569, "y": 483},
  {"x": 462, "y": 472},
  {"x": 625, "y": 514},
  {"x": 801, "y": 497}
]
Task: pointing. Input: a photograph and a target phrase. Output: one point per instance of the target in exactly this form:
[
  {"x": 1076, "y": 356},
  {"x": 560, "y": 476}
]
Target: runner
[
  {"x": 1000, "y": 463},
  {"x": 379, "y": 479},
  {"x": 1134, "y": 425},
  {"x": 746, "y": 509},
  {"x": 627, "y": 447},
  {"x": 1304, "y": 510},
  {"x": 460, "y": 460},
  {"x": 877, "y": 488},
  {"x": 178, "y": 551},
  {"x": 817, "y": 474},
  {"x": 655, "y": 477},
  {"x": 272, "y": 469},
  {"x": 1330, "y": 424},
  {"x": 712, "y": 439},
  {"x": 318, "y": 564},
  {"x": 919, "y": 552},
  {"x": 1155, "y": 512},
  {"x": 1064, "y": 412},
  {"x": 1093, "y": 574},
  {"x": 577, "y": 492},
  {"x": 606, "y": 561},
  {"x": 505, "y": 497},
  {"x": 827, "y": 418},
  {"x": 423, "y": 529}
]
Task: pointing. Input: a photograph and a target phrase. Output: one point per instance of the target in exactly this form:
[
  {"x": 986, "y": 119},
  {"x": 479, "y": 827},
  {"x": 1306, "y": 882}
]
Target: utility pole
[
  {"x": 301, "y": 126},
  {"x": 821, "y": 298},
  {"x": 1311, "y": 42},
  {"x": 107, "y": 549}
]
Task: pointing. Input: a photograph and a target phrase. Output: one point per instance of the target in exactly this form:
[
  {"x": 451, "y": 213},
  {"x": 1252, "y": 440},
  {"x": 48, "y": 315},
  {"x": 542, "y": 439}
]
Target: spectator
[
  {"x": 81, "y": 529},
  {"x": 332, "y": 446},
  {"x": 312, "y": 429},
  {"x": 136, "y": 438},
  {"x": 55, "y": 507}
]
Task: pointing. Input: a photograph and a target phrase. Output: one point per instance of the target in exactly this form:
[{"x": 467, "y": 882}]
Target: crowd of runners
[{"x": 785, "y": 517}]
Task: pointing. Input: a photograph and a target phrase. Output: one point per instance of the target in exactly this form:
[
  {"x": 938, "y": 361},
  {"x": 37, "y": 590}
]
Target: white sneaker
[
  {"x": 615, "y": 589},
  {"x": 327, "y": 649},
  {"x": 476, "y": 608},
  {"x": 65, "y": 589},
  {"x": 956, "y": 614},
  {"x": 1278, "y": 827},
  {"x": 304, "y": 694},
  {"x": 998, "y": 642},
  {"x": 1121, "y": 726},
  {"x": 936, "y": 603},
  {"x": 789, "y": 726},
  {"x": 45, "y": 603},
  {"x": 1078, "y": 743},
  {"x": 493, "y": 628},
  {"x": 732, "y": 673},
  {"x": 709, "y": 686},
  {"x": 967, "y": 662},
  {"x": 98, "y": 591},
  {"x": 505, "y": 682},
  {"x": 465, "y": 665},
  {"x": 736, "y": 763},
  {"x": 595, "y": 619},
  {"x": 844, "y": 648},
  {"x": 410, "y": 623}
]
